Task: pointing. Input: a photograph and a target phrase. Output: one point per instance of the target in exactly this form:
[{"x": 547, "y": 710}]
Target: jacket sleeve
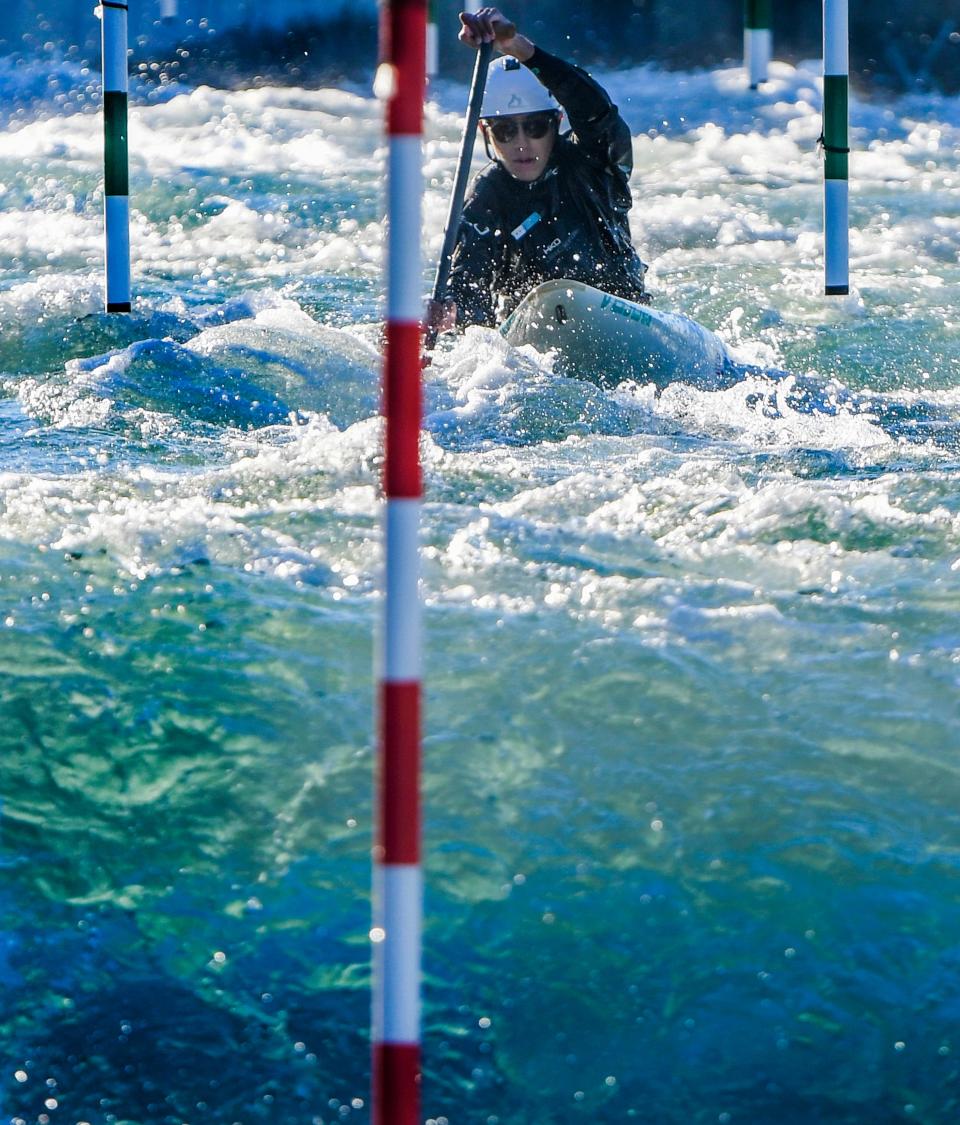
[
  {"x": 474, "y": 265},
  {"x": 603, "y": 135}
]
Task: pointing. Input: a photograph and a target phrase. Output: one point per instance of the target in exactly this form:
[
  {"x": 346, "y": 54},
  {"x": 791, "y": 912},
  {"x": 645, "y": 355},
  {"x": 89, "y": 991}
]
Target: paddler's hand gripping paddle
[{"x": 460, "y": 185}]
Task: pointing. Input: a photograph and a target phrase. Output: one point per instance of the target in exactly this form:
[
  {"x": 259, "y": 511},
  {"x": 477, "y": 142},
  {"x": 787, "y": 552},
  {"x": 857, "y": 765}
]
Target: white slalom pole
[
  {"x": 836, "y": 147},
  {"x": 116, "y": 173},
  {"x": 757, "y": 39}
]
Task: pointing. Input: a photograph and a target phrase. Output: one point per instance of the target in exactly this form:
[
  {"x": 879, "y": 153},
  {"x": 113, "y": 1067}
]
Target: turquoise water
[{"x": 692, "y": 829}]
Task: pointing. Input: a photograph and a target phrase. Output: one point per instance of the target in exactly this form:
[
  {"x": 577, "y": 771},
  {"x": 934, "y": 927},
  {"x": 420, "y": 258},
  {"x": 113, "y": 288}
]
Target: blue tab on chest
[{"x": 527, "y": 225}]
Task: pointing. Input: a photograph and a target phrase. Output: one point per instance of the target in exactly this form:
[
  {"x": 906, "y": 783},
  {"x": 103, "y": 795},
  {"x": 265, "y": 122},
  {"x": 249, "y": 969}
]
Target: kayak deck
[{"x": 608, "y": 339}]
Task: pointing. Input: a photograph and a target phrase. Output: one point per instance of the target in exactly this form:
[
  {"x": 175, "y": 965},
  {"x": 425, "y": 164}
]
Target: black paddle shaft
[{"x": 460, "y": 182}]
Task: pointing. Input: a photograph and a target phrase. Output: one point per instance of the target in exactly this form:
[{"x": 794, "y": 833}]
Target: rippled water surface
[{"x": 691, "y": 743}]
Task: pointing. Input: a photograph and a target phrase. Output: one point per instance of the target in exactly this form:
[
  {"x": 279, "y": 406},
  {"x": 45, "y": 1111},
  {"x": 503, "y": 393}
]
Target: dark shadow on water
[{"x": 152, "y": 1050}]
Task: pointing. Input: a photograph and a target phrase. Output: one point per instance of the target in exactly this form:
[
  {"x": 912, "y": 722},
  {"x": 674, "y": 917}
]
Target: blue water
[{"x": 691, "y": 793}]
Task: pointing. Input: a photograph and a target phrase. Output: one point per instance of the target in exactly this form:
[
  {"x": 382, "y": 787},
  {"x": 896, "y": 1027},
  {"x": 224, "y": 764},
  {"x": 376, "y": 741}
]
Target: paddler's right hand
[
  {"x": 441, "y": 316},
  {"x": 490, "y": 25}
]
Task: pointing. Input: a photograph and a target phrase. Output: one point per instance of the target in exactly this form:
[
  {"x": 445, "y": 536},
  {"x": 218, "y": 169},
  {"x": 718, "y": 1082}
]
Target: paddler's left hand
[{"x": 490, "y": 25}]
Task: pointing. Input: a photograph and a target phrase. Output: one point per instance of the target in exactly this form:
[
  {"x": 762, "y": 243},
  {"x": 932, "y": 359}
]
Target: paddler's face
[{"x": 523, "y": 143}]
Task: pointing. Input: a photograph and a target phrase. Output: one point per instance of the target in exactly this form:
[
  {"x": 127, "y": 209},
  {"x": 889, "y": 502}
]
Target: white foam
[{"x": 244, "y": 194}]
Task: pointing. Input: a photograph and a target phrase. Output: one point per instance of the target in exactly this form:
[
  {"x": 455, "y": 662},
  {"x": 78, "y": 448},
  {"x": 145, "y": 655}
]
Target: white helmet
[{"x": 511, "y": 88}]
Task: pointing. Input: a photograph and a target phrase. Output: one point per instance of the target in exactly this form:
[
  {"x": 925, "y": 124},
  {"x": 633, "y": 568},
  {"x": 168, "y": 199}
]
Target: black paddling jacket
[{"x": 570, "y": 222}]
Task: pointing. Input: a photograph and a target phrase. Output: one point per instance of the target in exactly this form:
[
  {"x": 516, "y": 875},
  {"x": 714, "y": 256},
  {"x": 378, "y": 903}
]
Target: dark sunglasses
[{"x": 535, "y": 127}]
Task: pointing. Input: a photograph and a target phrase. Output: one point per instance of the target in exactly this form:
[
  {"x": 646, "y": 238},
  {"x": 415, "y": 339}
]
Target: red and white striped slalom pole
[{"x": 398, "y": 882}]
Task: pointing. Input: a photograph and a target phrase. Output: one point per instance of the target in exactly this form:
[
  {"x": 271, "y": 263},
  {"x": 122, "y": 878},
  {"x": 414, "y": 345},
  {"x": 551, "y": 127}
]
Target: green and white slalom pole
[
  {"x": 433, "y": 40},
  {"x": 757, "y": 39},
  {"x": 836, "y": 147},
  {"x": 116, "y": 174}
]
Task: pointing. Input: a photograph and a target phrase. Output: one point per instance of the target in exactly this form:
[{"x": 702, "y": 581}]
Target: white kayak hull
[{"x": 607, "y": 339}]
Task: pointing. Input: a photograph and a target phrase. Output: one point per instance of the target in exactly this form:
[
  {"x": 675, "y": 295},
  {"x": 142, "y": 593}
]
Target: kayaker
[{"x": 551, "y": 204}]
